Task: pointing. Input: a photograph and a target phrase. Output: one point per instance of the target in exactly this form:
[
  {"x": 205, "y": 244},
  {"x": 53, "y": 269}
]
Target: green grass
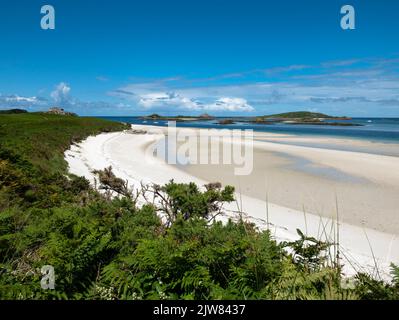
[{"x": 42, "y": 138}]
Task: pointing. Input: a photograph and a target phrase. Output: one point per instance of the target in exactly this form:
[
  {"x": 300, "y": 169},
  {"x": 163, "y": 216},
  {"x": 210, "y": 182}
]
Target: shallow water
[
  {"x": 372, "y": 129},
  {"x": 309, "y": 167}
]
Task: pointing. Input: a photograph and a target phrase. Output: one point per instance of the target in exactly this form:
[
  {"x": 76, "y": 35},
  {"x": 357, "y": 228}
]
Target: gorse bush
[{"x": 103, "y": 245}]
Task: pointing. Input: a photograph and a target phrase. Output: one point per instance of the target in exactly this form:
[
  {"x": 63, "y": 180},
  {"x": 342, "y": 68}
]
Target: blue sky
[{"x": 189, "y": 57}]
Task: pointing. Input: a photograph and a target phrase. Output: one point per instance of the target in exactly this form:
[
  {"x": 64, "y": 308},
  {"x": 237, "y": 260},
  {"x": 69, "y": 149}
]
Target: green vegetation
[
  {"x": 300, "y": 115},
  {"x": 178, "y": 118},
  {"x": 154, "y": 116},
  {"x": 103, "y": 245},
  {"x": 226, "y": 121},
  {"x": 41, "y": 138},
  {"x": 292, "y": 118},
  {"x": 13, "y": 111}
]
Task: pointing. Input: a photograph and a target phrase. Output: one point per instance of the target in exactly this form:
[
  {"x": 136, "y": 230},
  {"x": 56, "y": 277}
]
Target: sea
[{"x": 371, "y": 129}]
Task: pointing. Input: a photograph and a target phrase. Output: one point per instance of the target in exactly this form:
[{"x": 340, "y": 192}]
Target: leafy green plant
[
  {"x": 308, "y": 252},
  {"x": 187, "y": 201},
  {"x": 107, "y": 248}
]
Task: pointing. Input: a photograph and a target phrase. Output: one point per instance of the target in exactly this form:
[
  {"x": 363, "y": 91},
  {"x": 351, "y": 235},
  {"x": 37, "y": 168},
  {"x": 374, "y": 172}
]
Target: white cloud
[
  {"x": 331, "y": 92},
  {"x": 102, "y": 78},
  {"x": 61, "y": 96},
  {"x": 61, "y": 93},
  {"x": 159, "y": 99},
  {"x": 229, "y": 104},
  {"x": 17, "y": 101},
  {"x": 294, "y": 67}
]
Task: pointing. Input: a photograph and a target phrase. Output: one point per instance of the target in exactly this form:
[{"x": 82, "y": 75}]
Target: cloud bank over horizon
[{"x": 354, "y": 87}]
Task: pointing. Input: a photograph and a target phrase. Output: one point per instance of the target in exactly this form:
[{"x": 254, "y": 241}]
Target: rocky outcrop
[{"x": 60, "y": 111}]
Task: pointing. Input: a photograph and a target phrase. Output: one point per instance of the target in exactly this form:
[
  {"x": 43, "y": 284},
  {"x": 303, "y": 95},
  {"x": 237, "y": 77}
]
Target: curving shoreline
[{"x": 128, "y": 154}]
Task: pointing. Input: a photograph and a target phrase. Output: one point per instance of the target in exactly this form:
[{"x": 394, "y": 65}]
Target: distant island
[
  {"x": 226, "y": 121},
  {"x": 290, "y": 118},
  {"x": 13, "y": 111},
  {"x": 303, "y": 117},
  {"x": 178, "y": 118},
  {"x": 53, "y": 110},
  {"x": 297, "y": 117}
]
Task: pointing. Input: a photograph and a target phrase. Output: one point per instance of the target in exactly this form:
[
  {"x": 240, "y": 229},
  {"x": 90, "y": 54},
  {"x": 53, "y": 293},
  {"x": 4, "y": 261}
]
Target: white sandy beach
[{"x": 302, "y": 184}]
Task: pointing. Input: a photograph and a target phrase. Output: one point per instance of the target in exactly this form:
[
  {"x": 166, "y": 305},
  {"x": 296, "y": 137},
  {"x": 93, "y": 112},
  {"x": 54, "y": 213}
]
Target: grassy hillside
[
  {"x": 42, "y": 138},
  {"x": 299, "y": 115},
  {"x": 104, "y": 247}
]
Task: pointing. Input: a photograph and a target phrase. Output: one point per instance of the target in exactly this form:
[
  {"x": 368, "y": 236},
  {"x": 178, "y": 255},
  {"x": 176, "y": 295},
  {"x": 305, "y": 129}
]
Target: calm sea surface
[{"x": 374, "y": 129}]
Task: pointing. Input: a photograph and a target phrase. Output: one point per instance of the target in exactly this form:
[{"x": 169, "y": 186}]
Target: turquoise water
[{"x": 373, "y": 129}]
